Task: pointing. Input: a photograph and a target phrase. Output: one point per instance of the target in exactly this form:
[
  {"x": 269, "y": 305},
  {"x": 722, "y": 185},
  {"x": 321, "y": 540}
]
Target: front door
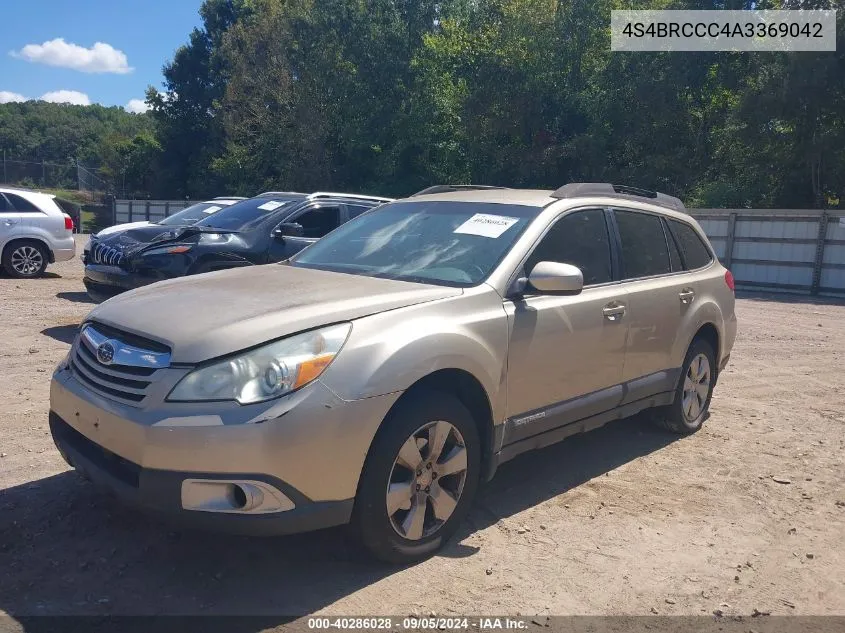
[{"x": 566, "y": 353}]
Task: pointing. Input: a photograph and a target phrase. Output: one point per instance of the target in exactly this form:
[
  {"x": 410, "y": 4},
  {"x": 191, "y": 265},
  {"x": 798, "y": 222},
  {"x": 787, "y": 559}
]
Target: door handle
[
  {"x": 613, "y": 311},
  {"x": 687, "y": 295}
]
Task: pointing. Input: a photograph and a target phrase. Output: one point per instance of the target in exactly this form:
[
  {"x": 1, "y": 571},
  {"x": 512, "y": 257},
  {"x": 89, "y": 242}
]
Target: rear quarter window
[
  {"x": 21, "y": 204},
  {"x": 693, "y": 250}
]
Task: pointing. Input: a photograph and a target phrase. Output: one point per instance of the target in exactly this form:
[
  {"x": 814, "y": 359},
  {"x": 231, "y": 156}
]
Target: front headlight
[
  {"x": 168, "y": 250},
  {"x": 267, "y": 372}
]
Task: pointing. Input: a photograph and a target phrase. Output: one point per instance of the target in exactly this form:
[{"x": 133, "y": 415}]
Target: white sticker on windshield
[
  {"x": 269, "y": 206},
  {"x": 210, "y": 210},
  {"x": 486, "y": 225}
]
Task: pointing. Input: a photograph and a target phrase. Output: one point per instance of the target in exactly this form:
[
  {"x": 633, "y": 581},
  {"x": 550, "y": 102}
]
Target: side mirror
[
  {"x": 556, "y": 278},
  {"x": 288, "y": 229}
]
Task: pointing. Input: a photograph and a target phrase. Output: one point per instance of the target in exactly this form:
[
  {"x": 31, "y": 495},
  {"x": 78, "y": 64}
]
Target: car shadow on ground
[
  {"x": 65, "y": 548},
  {"x": 62, "y": 333},
  {"x": 45, "y": 275},
  {"x": 75, "y": 297}
]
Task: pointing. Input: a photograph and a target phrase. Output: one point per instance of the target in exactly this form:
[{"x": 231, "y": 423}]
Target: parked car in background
[
  {"x": 34, "y": 232},
  {"x": 186, "y": 216},
  {"x": 268, "y": 228},
  {"x": 382, "y": 373}
]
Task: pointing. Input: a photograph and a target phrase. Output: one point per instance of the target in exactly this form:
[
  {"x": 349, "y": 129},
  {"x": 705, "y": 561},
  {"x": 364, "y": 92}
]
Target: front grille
[
  {"x": 105, "y": 255},
  {"x": 120, "y": 370}
]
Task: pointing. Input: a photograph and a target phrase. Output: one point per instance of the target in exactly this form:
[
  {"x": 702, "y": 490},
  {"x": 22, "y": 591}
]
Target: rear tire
[
  {"x": 421, "y": 523},
  {"x": 25, "y": 259},
  {"x": 693, "y": 393}
]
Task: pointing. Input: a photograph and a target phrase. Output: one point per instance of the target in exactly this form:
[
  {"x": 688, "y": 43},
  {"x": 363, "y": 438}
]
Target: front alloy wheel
[
  {"x": 427, "y": 480},
  {"x": 419, "y": 477}
]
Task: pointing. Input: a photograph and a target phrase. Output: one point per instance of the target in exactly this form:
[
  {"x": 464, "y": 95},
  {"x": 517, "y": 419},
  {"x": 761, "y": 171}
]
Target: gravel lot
[{"x": 624, "y": 520}]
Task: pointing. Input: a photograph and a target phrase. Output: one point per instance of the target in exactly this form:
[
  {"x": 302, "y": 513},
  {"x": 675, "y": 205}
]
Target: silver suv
[
  {"x": 34, "y": 232},
  {"x": 382, "y": 373}
]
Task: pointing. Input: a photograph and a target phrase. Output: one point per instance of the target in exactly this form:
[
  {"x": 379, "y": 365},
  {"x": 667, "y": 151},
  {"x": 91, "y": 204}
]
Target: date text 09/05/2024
[{"x": 418, "y": 623}]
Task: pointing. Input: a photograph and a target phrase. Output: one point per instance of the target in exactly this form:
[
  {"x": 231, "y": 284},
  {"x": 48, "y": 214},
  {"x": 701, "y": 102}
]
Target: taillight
[
  {"x": 68, "y": 223},
  {"x": 729, "y": 280}
]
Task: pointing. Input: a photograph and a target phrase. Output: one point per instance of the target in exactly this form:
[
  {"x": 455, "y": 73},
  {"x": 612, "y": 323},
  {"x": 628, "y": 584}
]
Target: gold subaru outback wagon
[{"x": 381, "y": 374}]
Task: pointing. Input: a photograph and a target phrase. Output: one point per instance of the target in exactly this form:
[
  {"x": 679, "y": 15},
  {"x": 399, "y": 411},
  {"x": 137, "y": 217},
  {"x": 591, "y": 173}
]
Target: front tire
[
  {"x": 419, "y": 479},
  {"x": 693, "y": 393},
  {"x": 25, "y": 260}
]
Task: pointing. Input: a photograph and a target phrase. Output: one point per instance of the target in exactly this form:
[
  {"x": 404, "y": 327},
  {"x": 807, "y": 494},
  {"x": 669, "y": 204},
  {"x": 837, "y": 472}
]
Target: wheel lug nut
[
  {"x": 419, "y": 473},
  {"x": 427, "y": 489},
  {"x": 434, "y": 475},
  {"x": 418, "y": 486},
  {"x": 428, "y": 466}
]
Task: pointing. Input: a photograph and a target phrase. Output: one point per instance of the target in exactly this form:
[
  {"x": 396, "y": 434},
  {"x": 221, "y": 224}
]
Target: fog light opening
[{"x": 238, "y": 497}]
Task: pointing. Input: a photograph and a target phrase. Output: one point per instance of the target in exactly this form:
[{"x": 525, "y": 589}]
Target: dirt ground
[{"x": 623, "y": 520}]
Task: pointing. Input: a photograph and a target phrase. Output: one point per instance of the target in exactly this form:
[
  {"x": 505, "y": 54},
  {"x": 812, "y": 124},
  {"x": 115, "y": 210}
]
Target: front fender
[{"x": 391, "y": 351}]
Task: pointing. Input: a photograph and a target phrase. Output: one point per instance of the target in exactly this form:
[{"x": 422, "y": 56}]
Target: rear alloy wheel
[
  {"x": 24, "y": 260},
  {"x": 692, "y": 396},
  {"x": 419, "y": 479}
]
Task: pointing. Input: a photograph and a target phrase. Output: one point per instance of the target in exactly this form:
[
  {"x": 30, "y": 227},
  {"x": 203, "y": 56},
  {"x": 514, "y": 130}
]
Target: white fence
[
  {"x": 792, "y": 250},
  {"x": 149, "y": 210}
]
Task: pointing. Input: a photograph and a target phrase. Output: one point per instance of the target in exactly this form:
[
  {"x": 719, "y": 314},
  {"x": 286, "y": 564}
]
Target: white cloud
[
  {"x": 100, "y": 58},
  {"x": 66, "y": 96},
  {"x": 136, "y": 106},
  {"x": 11, "y": 97}
]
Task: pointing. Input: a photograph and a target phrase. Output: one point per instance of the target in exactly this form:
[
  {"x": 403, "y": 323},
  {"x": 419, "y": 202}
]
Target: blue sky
[{"x": 48, "y": 47}]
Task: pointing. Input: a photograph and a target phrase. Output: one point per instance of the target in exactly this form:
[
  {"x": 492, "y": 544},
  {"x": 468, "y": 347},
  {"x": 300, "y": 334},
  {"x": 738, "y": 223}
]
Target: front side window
[
  {"x": 644, "y": 249},
  {"x": 444, "y": 242},
  {"x": 580, "y": 239},
  {"x": 695, "y": 253},
  {"x": 4, "y": 206},
  {"x": 319, "y": 222}
]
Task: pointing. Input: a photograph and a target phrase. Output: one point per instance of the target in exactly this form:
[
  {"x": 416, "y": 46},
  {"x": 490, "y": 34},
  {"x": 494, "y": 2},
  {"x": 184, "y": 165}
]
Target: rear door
[
  {"x": 655, "y": 283},
  {"x": 9, "y": 221}
]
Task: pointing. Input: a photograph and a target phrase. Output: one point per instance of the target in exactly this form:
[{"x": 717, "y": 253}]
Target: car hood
[
  {"x": 205, "y": 316},
  {"x": 119, "y": 228}
]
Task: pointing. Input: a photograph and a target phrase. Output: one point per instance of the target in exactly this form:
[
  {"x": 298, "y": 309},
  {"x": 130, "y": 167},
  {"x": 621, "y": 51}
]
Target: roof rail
[
  {"x": 580, "y": 189},
  {"x": 449, "y": 188},
  {"x": 229, "y": 198},
  {"x": 335, "y": 194},
  {"x": 269, "y": 194}
]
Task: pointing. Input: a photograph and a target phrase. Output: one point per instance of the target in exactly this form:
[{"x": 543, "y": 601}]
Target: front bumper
[
  {"x": 160, "y": 491},
  {"x": 103, "y": 281},
  {"x": 310, "y": 445}
]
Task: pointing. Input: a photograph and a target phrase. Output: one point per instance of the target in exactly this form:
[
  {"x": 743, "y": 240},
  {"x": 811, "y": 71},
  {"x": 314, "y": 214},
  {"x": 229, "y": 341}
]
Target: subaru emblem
[{"x": 105, "y": 353}]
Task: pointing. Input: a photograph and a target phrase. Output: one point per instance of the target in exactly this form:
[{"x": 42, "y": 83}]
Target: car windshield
[
  {"x": 194, "y": 213},
  {"x": 247, "y": 214},
  {"x": 446, "y": 243}
]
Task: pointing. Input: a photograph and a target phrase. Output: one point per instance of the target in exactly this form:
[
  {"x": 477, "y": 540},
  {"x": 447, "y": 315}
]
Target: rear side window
[
  {"x": 4, "y": 206},
  {"x": 20, "y": 204},
  {"x": 644, "y": 249},
  {"x": 695, "y": 253},
  {"x": 580, "y": 239}
]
